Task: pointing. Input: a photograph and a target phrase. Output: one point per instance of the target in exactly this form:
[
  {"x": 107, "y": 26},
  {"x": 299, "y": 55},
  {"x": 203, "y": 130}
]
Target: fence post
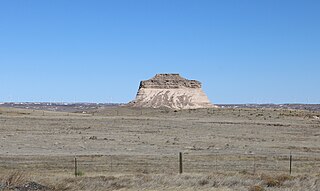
[
  {"x": 75, "y": 167},
  {"x": 180, "y": 162},
  {"x": 254, "y": 164},
  {"x": 290, "y": 163},
  {"x": 216, "y": 163},
  {"x": 111, "y": 163}
]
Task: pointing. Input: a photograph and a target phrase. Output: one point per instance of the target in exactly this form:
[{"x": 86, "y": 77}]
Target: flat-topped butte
[
  {"x": 169, "y": 81},
  {"x": 171, "y": 91}
]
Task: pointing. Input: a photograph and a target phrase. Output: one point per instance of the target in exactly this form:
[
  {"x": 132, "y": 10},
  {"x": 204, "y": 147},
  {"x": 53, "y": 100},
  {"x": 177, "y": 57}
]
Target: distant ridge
[{"x": 297, "y": 106}]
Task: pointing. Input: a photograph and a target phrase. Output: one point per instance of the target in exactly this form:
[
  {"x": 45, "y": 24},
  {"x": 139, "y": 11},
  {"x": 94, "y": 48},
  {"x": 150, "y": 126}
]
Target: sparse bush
[
  {"x": 271, "y": 182},
  {"x": 256, "y": 188},
  {"x": 244, "y": 172},
  {"x": 143, "y": 171},
  {"x": 14, "y": 179},
  {"x": 203, "y": 182},
  {"x": 79, "y": 173},
  {"x": 275, "y": 181},
  {"x": 284, "y": 177},
  {"x": 116, "y": 186}
]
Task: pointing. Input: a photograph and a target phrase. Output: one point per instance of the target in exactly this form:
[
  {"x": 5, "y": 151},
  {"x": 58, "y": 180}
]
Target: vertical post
[
  {"x": 111, "y": 163},
  {"x": 180, "y": 162},
  {"x": 75, "y": 167},
  {"x": 254, "y": 165},
  {"x": 216, "y": 163},
  {"x": 290, "y": 163}
]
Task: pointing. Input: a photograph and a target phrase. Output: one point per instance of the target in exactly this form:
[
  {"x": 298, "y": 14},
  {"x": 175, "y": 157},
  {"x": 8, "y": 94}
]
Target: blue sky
[{"x": 246, "y": 51}]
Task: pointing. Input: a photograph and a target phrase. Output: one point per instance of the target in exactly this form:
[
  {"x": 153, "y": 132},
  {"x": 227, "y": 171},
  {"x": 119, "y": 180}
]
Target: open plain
[{"x": 121, "y": 148}]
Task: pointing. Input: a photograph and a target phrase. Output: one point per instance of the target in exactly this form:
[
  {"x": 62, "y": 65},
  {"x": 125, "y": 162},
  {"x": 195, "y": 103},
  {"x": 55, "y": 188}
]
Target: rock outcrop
[{"x": 171, "y": 91}]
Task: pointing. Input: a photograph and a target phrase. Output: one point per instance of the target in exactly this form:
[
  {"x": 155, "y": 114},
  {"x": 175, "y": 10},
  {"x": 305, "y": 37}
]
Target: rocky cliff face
[{"x": 171, "y": 91}]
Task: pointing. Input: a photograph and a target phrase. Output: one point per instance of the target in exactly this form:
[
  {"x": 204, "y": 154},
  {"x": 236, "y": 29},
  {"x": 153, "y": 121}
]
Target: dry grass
[
  {"x": 137, "y": 149},
  {"x": 256, "y": 188},
  {"x": 221, "y": 182},
  {"x": 14, "y": 178},
  {"x": 275, "y": 181},
  {"x": 189, "y": 182}
]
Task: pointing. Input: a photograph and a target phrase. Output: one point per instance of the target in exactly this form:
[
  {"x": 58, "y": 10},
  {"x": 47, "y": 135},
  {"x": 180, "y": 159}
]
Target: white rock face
[{"x": 171, "y": 91}]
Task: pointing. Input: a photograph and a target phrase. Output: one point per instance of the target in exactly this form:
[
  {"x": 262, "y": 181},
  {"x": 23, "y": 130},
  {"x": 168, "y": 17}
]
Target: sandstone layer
[{"x": 171, "y": 91}]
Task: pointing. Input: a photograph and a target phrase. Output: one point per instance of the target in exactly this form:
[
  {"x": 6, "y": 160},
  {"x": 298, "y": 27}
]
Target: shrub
[
  {"x": 256, "y": 188},
  {"x": 271, "y": 182},
  {"x": 284, "y": 177},
  {"x": 203, "y": 182},
  {"x": 275, "y": 181},
  {"x": 14, "y": 179},
  {"x": 80, "y": 173}
]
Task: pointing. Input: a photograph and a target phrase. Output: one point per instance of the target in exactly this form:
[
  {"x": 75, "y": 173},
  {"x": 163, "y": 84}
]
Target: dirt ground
[{"x": 120, "y": 141}]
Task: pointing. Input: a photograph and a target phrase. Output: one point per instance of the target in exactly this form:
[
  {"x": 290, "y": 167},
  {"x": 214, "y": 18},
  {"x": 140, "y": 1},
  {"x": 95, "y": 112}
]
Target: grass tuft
[
  {"x": 80, "y": 173},
  {"x": 14, "y": 179},
  {"x": 256, "y": 188},
  {"x": 275, "y": 181},
  {"x": 203, "y": 182}
]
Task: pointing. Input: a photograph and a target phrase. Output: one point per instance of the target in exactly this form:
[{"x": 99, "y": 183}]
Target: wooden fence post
[
  {"x": 111, "y": 163},
  {"x": 254, "y": 164},
  {"x": 180, "y": 162},
  {"x": 216, "y": 163},
  {"x": 290, "y": 163},
  {"x": 75, "y": 167}
]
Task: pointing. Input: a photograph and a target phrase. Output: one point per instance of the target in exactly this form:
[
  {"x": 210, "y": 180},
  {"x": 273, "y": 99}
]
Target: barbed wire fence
[{"x": 202, "y": 163}]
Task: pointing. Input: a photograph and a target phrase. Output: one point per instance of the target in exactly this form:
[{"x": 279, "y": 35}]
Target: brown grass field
[{"x": 120, "y": 148}]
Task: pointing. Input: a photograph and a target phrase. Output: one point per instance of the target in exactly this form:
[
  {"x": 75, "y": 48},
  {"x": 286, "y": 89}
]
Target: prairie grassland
[
  {"x": 137, "y": 149},
  {"x": 216, "y": 181}
]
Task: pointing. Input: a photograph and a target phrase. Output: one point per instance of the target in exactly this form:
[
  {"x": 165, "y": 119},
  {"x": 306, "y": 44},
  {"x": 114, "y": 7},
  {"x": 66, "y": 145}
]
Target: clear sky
[{"x": 243, "y": 51}]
